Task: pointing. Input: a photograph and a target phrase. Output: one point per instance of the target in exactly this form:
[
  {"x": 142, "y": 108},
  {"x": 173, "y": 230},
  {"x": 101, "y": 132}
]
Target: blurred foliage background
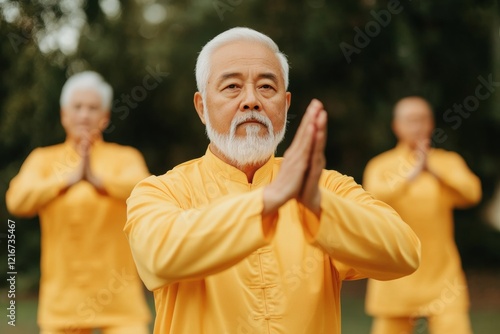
[{"x": 437, "y": 49}]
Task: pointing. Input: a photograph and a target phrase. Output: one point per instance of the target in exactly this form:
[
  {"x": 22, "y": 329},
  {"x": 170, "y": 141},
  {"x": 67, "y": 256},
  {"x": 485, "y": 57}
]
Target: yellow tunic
[
  {"x": 88, "y": 277},
  {"x": 197, "y": 239},
  {"x": 426, "y": 204}
]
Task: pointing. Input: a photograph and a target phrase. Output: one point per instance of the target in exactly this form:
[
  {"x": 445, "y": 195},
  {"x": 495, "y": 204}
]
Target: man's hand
[
  {"x": 302, "y": 164},
  {"x": 83, "y": 171},
  {"x": 421, "y": 153},
  {"x": 79, "y": 173},
  {"x": 88, "y": 175},
  {"x": 309, "y": 194}
]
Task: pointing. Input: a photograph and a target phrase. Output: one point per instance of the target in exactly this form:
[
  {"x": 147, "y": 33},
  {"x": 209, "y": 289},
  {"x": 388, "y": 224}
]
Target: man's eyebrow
[
  {"x": 265, "y": 75},
  {"x": 228, "y": 75},
  {"x": 270, "y": 76}
]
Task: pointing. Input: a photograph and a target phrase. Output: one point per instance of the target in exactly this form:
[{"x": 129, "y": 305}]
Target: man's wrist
[
  {"x": 314, "y": 204},
  {"x": 272, "y": 200}
]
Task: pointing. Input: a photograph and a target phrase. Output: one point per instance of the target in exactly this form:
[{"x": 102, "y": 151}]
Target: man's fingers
[
  {"x": 309, "y": 194},
  {"x": 304, "y": 159},
  {"x": 321, "y": 132},
  {"x": 296, "y": 158},
  {"x": 309, "y": 118},
  {"x": 301, "y": 146},
  {"x": 317, "y": 157}
]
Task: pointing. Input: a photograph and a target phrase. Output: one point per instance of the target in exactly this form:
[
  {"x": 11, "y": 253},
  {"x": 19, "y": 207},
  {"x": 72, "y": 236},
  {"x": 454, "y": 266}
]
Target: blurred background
[{"x": 358, "y": 57}]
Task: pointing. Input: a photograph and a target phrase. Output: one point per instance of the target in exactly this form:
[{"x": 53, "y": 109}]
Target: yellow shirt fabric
[
  {"x": 88, "y": 277},
  {"x": 426, "y": 204},
  {"x": 196, "y": 236}
]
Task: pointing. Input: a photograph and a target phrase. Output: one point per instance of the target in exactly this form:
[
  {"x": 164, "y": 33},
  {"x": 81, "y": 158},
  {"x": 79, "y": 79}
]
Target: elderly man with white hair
[
  {"x": 240, "y": 241},
  {"x": 78, "y": 189},
  {"x": 424, "y": 185}
]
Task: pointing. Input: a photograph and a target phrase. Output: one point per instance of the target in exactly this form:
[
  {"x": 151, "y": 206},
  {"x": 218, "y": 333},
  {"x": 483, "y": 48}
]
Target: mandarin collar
[
  {"x": 97, "y": 143},
  {"x": 263, "y": 175},
  {"x": 405, "y": 149}
]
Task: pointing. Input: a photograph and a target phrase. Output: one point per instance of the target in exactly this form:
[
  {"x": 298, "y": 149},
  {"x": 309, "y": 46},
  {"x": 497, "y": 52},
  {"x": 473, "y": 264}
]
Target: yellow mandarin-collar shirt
[
  {"x": 197, "y": 239},
  {"x": 88, "y": 277},
  {"x": 426, "y": 204}
]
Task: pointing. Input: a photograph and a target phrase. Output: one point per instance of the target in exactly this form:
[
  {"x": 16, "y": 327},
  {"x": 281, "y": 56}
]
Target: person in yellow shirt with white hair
[
  {"x": 240, "y": 241},
  {"x": 424, "y": 185},
  {"x": 78, "y": 189}
]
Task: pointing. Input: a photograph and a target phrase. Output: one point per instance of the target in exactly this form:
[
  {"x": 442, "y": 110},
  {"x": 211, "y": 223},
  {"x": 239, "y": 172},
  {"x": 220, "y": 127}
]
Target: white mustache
[
  {"x": 252, "y": 148},
  {"x": 252, "y": 116}
]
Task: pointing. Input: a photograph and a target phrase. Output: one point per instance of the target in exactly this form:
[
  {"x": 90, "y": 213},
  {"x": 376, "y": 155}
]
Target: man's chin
[{"x": 251, "y": 129}]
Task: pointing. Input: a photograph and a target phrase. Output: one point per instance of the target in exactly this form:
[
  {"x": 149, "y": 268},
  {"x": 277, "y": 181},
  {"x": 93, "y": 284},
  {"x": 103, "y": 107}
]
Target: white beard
[{"x": 252, "y": 149}]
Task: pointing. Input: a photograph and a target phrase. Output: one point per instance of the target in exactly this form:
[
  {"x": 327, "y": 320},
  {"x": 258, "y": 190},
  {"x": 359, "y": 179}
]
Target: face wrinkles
[
  {"x": 245, "y": 73},
  {"x": 236, "y": 75},
  {"x": 245, "y": 104}
]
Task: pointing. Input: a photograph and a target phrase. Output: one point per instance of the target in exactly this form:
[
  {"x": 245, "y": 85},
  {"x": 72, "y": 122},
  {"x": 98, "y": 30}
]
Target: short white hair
[
  {"x": 235, "y": 34},
  {"x": 85, "y": 80}
]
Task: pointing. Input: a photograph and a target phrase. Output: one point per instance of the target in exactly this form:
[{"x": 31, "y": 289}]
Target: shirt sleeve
[
  {"x": 128, "y": 172},
  {"x": 451, "y": 169},
  {"x": 34, "y": 186},
  {"x": 363, "y": 236},
  {"x": 171, "y": 243},
  {"x": 385, "y": 182}
]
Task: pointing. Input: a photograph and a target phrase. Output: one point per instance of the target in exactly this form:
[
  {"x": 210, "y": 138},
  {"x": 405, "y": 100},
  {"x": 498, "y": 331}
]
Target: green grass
[
  {"x": 26, "y": 310},
  {"x": 355, "y": 321},
  {"x": 485, "y": 305}
]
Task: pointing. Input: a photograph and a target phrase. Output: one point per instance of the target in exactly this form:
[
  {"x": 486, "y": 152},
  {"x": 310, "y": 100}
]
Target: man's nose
[
  {"x": 84, "y": 113},
  {"x": 250, "y": 100}
]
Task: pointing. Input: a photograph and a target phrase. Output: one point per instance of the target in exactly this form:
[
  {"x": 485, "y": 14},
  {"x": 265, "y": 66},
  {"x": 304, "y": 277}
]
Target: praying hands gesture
[
  {"x": 302, "y": 165},
  {"x": 83, "y": 171}
]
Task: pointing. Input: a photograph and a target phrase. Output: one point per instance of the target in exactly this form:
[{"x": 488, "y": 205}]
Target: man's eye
[
  {"x": 232, "y": 86},
  {"x": 267, "y": 87}
]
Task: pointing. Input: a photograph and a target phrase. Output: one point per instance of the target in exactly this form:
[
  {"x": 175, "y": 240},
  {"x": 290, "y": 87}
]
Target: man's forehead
[
  {"x": 245, "y": 52},
  {"x": 85, "y": 92},
  {"x": 412, "y": 107},
  {"x": 241, "y": 46},
  {"x": 241, "y": 58}
]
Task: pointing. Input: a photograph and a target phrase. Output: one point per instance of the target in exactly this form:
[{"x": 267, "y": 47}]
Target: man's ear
[
  {"x": 199, "y": 106},
  {"x": 105, "y": 120},
  {"x": 288, "y": 98},
  {"x": 62, "y": 115},
  {"x": 395, "y": 128}
]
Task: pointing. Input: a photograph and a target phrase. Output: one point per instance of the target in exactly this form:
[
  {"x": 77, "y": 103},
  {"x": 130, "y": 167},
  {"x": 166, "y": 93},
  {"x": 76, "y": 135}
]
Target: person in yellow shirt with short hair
[
  {"x": 78, "y": 189},
  {"x": 423, "y": 185},
  {"x": 239, "y": 241}
]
